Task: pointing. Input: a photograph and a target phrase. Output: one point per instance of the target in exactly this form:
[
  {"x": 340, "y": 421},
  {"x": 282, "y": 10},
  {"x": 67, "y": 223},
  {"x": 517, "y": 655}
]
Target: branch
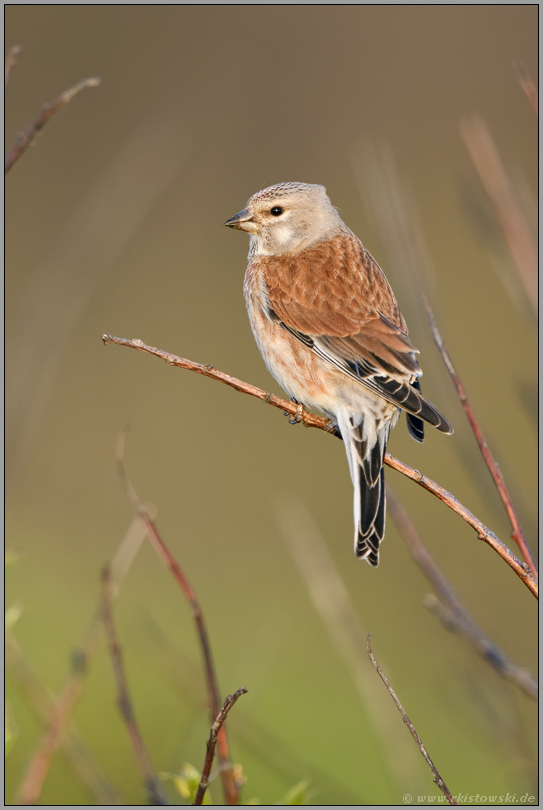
[
  {"x": 43, "y": 705},
  {"x": 207, "y": 370},
  {"x": 521, "y": 569},
  {"x": 152, "y": 783},
  {"x": 517, "y": 533},
  {"x": 230, "y": 789},
  {"x": 59, "y": 718},
  {"x": 452, "y": 612},
  {"x": 212, "y": 742},
  {"x": 26, "y": 138},
  {"x": 437, "y": 778},
  {"x": 311, "y": 420},
  {"x": 527, "y": 84},
  {"x": 488, "y": 163},
  {"x": 11, "y": 61}
]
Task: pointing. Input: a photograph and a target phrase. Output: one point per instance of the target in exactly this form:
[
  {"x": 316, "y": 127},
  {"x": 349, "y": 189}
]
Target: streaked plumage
[{"x": 330, "y": 331}]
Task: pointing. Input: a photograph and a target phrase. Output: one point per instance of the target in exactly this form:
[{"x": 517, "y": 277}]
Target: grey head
[{"x": 287, "y": 218}]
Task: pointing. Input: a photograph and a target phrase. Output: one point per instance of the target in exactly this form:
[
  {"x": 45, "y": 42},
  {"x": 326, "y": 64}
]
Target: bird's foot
[
  {"x": 295, "y": 418},
  {"x": 333, "y": 428}
]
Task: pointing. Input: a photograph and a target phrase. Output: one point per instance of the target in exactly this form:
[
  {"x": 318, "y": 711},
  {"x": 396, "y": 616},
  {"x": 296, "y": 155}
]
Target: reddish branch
[
  {"x": 59, "y": 717},
  {"x": 521, "y": 569},
  {"x": 527, "y": 83},
  {"x": 27, "y": 138},
  {"x": 312, "y": 420},
  {"x": 11, "y": 61},
  {"x": 212, "y": 742},
  {"x": 450, "y": 609},
  {"x": 517, "y": 533},
  {"x": 229, "y": 786},
  {"x": 309, "y": 419},
  {"x": 41, "y": 761},
  {"x": 43, "y": 704},
  {"x": 437, "y": 778},
  {"x": 152, "y": 783}
]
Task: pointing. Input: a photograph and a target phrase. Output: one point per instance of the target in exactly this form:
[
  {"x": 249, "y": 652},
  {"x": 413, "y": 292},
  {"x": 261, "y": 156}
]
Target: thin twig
[
  {"x": 437, "y": 778},
  {"x": 230, "y": 788},
  {"x": 151, "y": 780},
  {"x": 488, "y": 163},
  {"x": 11, "y": 61},
  {"x": 517, "y": 533},
  {"x": 450, "y": 610},
  {"x": 522, "y": 570},
  {"x": 41, "y": 761},
  {"x": 26, "y": 138},
  {"x": 527, "y": 83},
  {"x": 58, "y": 721},
  {"x": 207, "y": 370},
  {"x": 312, "y": 420},
  {"x": 212, "y": 742},
  {"x": 42, "y": 703}
]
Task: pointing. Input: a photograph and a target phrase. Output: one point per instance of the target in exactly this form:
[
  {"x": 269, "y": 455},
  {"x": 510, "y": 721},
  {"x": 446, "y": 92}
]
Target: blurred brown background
[{"x": 114, "y": 224}]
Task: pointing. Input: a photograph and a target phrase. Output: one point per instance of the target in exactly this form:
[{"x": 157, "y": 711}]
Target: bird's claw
[
  {"x": 333, "y": 428},
  {"x": 294, "y": 418}
]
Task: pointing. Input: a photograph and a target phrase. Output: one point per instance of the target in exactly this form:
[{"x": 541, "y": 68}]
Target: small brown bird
[{"x": 330, "y": 331}]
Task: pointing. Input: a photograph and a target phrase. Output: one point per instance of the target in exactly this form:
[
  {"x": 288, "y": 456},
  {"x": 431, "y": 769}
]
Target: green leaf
[{"x": 186, "y": 783}]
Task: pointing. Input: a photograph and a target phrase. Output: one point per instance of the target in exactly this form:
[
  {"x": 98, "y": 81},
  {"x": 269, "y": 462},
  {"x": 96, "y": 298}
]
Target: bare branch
[
  {"x": 26, "y": 138},
  {"x": 452, "y": 612},
  {"x": 11, "y": 61},
  {"x": 521, "y": 569},
  {"x": 212, "y": 742},
  {"x": 488, "y": 163},
  {"x": 42, "y": 703},
  {"x": 59, "y": 718},
  {"x": 230, "y": 788},
  {"x": 311, "y": 420},
  {"x": 152, "y": 782},
  {"x": 527, "y": 83},
  {"x": 41, "y": 761},
  {"x": 517, "y": 533},
  {"x": 437, "y": 778},
  {"x": 207, "y": 370}
]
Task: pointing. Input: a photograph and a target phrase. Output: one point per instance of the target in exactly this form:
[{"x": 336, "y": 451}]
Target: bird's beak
[{"x": 242, "y": 221}]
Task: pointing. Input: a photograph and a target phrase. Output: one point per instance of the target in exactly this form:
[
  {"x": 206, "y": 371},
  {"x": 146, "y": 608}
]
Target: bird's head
[{"x": 287, "y": 218}]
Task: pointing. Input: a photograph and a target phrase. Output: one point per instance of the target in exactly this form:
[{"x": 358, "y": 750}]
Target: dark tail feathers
[
  {"x": 372, "y": 504},
  {"x": 370, "y": 490}
]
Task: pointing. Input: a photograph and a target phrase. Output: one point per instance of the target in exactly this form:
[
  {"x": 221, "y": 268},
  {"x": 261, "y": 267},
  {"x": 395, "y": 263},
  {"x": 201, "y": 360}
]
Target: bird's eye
[{"x": 276, "y": 211}]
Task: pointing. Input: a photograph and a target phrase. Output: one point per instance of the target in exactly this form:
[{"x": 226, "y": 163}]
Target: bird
[{"x": 330, "y": 331}]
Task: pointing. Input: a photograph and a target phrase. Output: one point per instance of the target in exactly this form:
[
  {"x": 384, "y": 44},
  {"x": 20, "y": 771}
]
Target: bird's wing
[{"x": 334, "y": 298}]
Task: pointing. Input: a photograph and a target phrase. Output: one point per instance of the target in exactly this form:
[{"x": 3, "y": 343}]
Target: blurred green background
[{"x": 114, "y": 224}]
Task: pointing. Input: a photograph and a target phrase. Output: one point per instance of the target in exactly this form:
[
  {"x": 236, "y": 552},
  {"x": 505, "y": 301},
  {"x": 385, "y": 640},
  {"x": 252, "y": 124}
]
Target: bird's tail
[{"x": 365, "y": 441}]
